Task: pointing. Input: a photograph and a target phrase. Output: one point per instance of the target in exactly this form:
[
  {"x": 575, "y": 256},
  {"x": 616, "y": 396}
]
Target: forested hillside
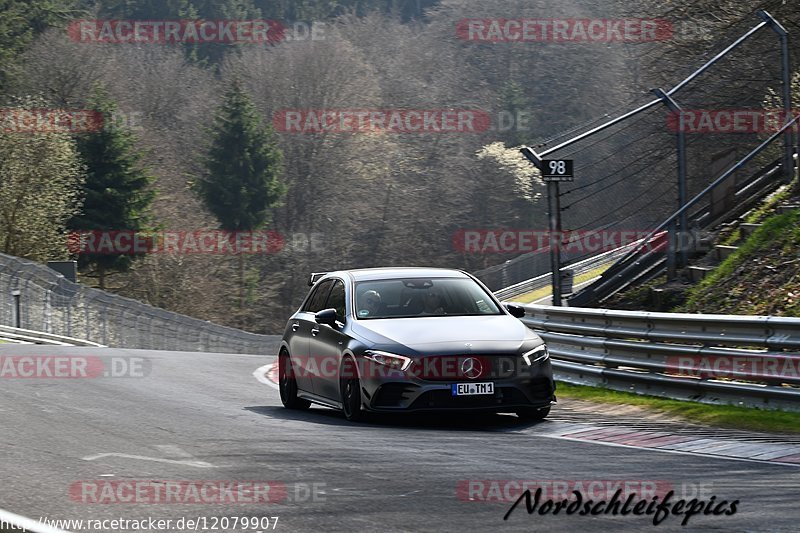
[{"x": 183, "y": 116}]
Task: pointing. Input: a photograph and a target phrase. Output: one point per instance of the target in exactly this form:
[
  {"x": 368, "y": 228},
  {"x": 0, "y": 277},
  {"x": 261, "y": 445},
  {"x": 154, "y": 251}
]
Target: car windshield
[{"x": 422, "y": 297}]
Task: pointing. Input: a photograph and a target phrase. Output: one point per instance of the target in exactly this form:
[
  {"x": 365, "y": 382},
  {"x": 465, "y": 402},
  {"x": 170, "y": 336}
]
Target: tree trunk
[{"x": 241, "y": 290}]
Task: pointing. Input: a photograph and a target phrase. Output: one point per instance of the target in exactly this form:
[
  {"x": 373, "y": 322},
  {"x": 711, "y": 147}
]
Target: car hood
[{"x": 431, "y": 335}]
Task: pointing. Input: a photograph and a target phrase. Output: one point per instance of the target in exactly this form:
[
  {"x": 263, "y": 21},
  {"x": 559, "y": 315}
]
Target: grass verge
[{"x": 713, "y": 415}]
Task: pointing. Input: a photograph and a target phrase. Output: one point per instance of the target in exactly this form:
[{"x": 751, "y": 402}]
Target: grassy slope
[
  {"x": 761, "y": 212},
  {"x": 761, "y": 278}
]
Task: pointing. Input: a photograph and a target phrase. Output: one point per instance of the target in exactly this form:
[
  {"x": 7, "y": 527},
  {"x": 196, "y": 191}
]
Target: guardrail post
[
  {"x": 682, "y": 192},
  {"x": 47, "y": 319},
  {"x": 786, "y": 72},
  {"x": 16, "y": 294}
]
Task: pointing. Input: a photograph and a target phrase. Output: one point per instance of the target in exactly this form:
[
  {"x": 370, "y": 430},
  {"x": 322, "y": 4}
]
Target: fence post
[
  {"x": 677, "y": 237},
  {"x": 786, "y": 74},
  {"x": 16, "y": 294},
  {"x": 48, "y": 319},
  {"x": 554, "y": 219},
  {"x": 554, "y": 216}
]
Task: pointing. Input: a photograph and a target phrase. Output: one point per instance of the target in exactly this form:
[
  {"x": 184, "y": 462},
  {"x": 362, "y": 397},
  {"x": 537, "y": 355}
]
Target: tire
[
  {"x": 350, "y": 390},
  {"x": 533, "y": 414},
  {"x": 288, "y": 384}
]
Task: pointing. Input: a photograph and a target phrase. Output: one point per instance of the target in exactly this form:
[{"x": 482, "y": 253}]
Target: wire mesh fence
[
  {"x": 627, "y": 175},
  {"x": 50, "y": 303}
]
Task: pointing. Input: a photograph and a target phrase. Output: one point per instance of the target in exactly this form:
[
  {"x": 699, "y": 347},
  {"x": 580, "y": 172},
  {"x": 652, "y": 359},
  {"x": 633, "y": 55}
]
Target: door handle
[
  {"x": 295, "y": 326},
  {"x": 314, "y": 332}
]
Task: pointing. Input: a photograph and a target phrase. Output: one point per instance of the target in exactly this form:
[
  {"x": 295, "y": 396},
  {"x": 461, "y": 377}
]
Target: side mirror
[
  {"x": 516, "y": 310},
  {"x": 327, "y": 317}
]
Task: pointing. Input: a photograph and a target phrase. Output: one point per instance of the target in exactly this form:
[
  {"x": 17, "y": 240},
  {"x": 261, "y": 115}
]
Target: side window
[
  {"x": 317, "y": 300},
  {"x": 336, "y": 299}
]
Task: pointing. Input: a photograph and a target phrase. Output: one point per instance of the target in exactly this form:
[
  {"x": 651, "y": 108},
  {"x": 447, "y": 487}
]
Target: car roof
[{"x": 366, "y": 274}]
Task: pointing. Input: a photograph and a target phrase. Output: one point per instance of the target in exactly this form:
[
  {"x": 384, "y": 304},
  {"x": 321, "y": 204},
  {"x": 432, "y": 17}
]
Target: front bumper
[{"x": 532, "y": 387}]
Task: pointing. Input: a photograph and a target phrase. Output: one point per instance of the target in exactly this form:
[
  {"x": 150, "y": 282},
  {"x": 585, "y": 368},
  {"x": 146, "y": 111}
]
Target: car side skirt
[{"x": 319, "y": 400}]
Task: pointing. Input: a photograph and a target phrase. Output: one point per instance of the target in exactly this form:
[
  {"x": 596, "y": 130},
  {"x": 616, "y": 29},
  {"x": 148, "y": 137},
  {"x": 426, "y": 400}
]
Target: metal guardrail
[
  {"x": 513, "y": 271},
  {"x": 38, "y": 337},
  {"x": 582, "y": 267},
  {"x": 51, "y": 304},
  {"x": 721, "y": 359}
]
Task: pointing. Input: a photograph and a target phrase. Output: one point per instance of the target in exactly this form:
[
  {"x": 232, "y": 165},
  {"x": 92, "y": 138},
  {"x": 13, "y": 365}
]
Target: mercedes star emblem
[{"x": 471, "y": 368}]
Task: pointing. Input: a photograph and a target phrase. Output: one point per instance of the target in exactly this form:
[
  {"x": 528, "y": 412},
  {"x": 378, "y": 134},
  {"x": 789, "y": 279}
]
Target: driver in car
[
  {"x": 432, "y": 304},
  {"x": 370, "y": 303}
]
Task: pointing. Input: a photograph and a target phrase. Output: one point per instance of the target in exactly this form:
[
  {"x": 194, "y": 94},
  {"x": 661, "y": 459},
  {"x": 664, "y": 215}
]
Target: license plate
[{"x": 471, "y": 389}]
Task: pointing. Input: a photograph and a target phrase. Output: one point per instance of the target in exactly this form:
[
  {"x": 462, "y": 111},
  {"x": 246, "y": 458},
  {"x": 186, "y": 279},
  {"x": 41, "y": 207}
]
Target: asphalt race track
[{"x": 193, "y": 417}]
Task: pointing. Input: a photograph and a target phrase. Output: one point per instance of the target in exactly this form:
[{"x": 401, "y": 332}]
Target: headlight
[
  {"x": 537, "y": 355},
  {"x": 398, "y": 362}
]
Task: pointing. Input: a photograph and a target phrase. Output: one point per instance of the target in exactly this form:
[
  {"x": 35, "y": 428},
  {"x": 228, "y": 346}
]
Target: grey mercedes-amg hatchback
[{"x": 411, "y": 339}]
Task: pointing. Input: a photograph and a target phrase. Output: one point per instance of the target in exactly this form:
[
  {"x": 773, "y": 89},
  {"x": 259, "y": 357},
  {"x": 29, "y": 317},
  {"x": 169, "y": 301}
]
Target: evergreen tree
[
  {"x": 144, "y": 9},
  {"x": 515, "y": 105},
  {"x": 241, "y": 184},
  {"x": 203, "y": 54},
  {"x": 117, "y": 192},
  {"x": 292, "y": 10},
  {"x": 22, "y": 21}
]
